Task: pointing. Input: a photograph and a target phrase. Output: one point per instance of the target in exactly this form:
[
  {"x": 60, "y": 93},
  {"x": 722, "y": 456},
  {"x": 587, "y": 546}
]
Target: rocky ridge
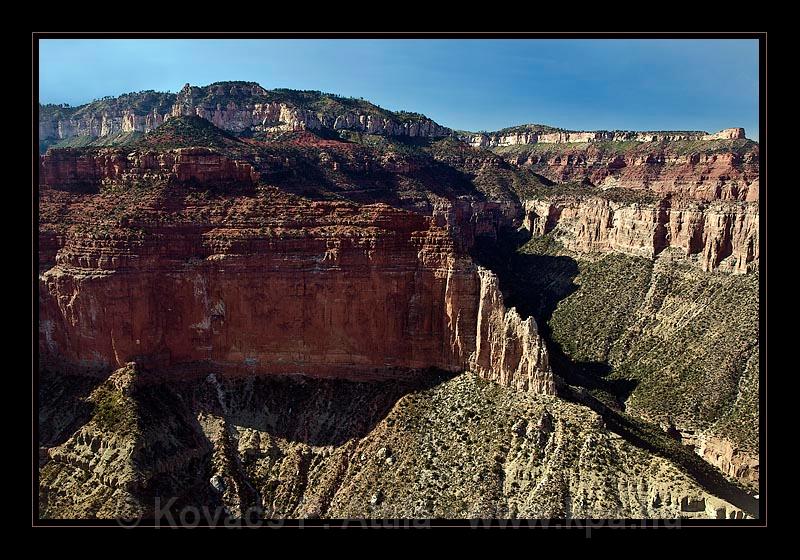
[
  {"x": 237, "y": 107},
  {"x": 535, "y": 134}
]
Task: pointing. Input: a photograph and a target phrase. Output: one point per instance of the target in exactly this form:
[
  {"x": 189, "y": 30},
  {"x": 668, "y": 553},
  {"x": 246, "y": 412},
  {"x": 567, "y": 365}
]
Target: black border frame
[{"x": 585, "y": 525}]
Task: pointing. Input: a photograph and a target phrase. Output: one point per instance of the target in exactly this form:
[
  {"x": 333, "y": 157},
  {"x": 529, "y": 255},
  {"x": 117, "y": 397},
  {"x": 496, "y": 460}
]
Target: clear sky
[{"x": 464, "y": 84}]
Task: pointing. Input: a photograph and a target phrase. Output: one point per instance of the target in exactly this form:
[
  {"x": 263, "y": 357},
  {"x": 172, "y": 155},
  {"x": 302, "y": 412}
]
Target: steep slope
[
  {"x": 659, "y": 339},
  {"x": 280, "y": 447}
]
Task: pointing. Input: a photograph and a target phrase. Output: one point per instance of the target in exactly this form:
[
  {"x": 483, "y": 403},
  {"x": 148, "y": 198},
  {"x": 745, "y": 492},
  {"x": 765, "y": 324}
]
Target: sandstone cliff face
[
  {"x": 497, "y": 139},
  {"x": 68, "y": 168},
  {"x": 236, "y": 108},
  {"x": 724, "y": 175},
  {"x": 735, "y": 462},
  {"x": 99, "y": 124},
  {"x": 715, "y": 236},
  {"x": 508, "y": 350},
  {"x": 277, "y": 285}
]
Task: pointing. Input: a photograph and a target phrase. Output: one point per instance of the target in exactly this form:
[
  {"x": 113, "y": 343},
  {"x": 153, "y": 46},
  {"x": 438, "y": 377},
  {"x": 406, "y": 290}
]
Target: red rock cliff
[
  {"x": 725, "y": 170},
  {"x": 268, "y": 284},
  {"x": 67, "y": 168}
]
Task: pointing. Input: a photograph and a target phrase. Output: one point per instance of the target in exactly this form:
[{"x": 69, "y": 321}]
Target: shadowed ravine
[{"x": 535, "y": 284}]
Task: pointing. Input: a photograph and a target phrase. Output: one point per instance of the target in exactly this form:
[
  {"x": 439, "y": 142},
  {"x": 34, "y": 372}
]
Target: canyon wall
[
  {"x": 70, "y": 168},
  {"x": 517, "y": 138},
  {"x": 729, "y": 174},
  {"x": 236, "y": 108},
  {"x": 269, "y": 285},
  {"x": 714, "y": 235}
]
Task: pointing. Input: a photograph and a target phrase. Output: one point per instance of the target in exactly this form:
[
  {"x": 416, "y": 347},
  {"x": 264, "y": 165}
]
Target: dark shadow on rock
[
  {"x": 534, "y": 284},
  {"x": 312, "y": 411},
  {"x": 62, "y": 405},
  {"x": 177, "y": 453}
]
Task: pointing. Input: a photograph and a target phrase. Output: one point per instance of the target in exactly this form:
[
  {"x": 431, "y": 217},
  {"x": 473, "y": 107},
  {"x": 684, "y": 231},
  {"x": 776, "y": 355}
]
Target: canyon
[{"x": 247, "y": 249}]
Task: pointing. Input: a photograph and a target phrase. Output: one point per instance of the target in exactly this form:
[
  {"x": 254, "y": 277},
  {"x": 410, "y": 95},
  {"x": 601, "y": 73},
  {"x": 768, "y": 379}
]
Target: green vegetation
[
  {"x": 186, "y": 132},
  {"x": 682, "y": 343},
  {"x": 116, "y": 139},
  {"x": 572, "y": 189},
  {"x": 695, "y": 335},
  {"x": 532, "y": 127},
  {"x": 677, "y": 147},
  {"x": 113, "y": 411},
  {"x": 588, "y": 323}
]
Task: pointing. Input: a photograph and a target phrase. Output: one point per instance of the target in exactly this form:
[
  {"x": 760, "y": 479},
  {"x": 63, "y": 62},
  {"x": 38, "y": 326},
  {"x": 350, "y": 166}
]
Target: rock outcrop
[
  {"x": 736, "y": 463},
  {"x": 724, "y": 172},
  {"x": 237, "y": 107},
  {"x": 546, "y": 135},
  {"x": 507, "y": 349},
  {"x": 269, "y": 284},
  {"x": 714, "y": 235},
  {"x": 78, "y": 169}
]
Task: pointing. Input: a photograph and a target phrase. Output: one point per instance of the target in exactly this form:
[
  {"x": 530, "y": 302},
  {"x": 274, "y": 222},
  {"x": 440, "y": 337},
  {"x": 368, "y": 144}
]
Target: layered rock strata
[
  {"x": 234, "y": 107},
  {"x": 533, "y": 136},
  {"x": 272, "y": 284},
  {"x": 714, "y": 235},
  {"x": 70, "y": 169},
  {"x": 730, "y": 173}
]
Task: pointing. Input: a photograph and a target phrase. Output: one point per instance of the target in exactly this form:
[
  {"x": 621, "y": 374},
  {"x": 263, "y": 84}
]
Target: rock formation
[
  {"x": 714, "y": 235},
  {"x": 547, "y": 135},
  {"x": 269, "y": 285},
  {"x": 236, "y": 107}
]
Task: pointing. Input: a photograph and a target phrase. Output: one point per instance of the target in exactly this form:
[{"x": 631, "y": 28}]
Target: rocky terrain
[
  {"x": 316, "y": 307},
  {"x": 451, "y": 447},
  {"x": 239, "y": 107},
  {"x": 543, "y": 134}
]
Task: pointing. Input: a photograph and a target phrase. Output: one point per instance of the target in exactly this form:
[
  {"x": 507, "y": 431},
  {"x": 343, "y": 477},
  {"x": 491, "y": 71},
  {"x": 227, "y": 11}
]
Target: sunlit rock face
[
  {"x": 272, "y": 284},
  {"x": 713, "y": 235}
]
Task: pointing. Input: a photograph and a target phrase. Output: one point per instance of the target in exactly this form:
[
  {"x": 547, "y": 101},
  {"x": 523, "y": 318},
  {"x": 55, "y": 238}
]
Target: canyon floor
[{"x": 316, "y": 308}]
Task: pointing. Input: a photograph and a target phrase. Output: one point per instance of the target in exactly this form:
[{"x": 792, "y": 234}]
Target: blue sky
[{"x": 464, "y": 84}]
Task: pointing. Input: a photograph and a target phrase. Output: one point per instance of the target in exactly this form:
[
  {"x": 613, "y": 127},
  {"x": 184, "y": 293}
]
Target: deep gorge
[{"x": 379, "y": 319}]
